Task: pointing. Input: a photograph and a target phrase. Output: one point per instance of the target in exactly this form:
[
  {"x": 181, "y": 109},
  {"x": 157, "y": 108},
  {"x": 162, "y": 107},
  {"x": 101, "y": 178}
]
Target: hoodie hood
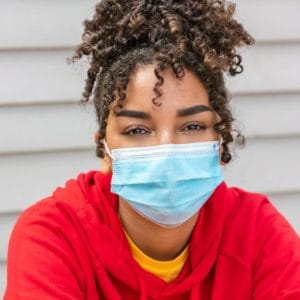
[
  {"x": 95, "y": 209},
  {"x": 71, "y": 245}
]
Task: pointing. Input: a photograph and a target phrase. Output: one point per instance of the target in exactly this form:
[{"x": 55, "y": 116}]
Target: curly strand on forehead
[{"x": 199, "y": 35}]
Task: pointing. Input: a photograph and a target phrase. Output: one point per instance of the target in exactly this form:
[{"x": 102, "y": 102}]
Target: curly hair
[{"x": 199, "y": 35}]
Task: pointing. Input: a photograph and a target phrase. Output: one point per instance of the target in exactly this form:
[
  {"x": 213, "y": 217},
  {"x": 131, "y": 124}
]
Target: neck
[{"x": 158, "y": 242}]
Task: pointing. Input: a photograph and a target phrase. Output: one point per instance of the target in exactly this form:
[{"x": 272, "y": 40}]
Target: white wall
[{"x": 46, "y": 137}]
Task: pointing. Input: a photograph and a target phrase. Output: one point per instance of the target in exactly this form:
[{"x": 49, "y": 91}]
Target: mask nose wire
[{"x": 107, "y": 149}]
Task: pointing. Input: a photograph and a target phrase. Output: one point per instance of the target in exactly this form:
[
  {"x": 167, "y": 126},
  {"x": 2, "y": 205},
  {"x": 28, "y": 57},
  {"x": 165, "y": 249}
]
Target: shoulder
[
  {"x": 255, "y": 228},
  {"x": 45, "y": 244},
  {"x": 59, "y": 221},
  {"x": 259, "y": 209},
  {"x": 260, "y": 236},
  {"x": 254, "y": 213},
  {"x": 77, "y": 199}
]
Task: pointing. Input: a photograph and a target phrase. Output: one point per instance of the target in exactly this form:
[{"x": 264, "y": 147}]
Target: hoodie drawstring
[
  {"x": 195, "y": 292},
  {"x": 142, "y": 284}
]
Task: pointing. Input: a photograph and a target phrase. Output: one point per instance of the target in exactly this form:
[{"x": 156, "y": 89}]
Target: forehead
[{"x": 176, "y": 93}]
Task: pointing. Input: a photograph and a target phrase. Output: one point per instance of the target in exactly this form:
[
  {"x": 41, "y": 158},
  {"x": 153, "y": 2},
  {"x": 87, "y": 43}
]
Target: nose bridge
[
  {"x": 166, "y": 136},
  {"x": 165, "y": 124}
]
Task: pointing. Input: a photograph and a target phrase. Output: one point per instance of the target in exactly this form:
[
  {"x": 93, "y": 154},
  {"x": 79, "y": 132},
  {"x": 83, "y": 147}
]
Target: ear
[
  {"x": 96, "y": 136},
  {"x": 106, "y": 165},
  {"x": 106, "y": 161},
  {"x": 221, "y": 150}
]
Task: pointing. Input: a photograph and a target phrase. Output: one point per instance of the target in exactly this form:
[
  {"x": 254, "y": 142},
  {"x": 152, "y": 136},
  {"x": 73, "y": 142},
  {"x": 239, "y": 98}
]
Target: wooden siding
[{"x": 46, "y": 137}]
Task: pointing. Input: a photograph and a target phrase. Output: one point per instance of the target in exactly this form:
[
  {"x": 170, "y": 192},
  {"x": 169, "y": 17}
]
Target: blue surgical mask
[{"x": 166, "y": 184}]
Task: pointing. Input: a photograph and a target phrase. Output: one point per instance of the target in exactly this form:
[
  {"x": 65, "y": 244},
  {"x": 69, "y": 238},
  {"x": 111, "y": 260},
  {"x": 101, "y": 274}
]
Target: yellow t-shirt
[{"x": 166, "y": 270}]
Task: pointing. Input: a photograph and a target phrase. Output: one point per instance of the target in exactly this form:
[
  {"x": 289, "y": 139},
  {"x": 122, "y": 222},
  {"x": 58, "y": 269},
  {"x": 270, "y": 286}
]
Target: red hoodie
[{"x": 72, "y": 246}]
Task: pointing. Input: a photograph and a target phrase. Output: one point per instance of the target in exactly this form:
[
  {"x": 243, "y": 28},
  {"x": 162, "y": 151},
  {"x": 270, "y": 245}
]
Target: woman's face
[{"x": 184, "y": 116}]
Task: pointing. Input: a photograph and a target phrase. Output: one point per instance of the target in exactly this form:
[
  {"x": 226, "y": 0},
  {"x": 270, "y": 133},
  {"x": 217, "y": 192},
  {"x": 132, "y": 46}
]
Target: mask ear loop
[{"x": 107, "y": 149}]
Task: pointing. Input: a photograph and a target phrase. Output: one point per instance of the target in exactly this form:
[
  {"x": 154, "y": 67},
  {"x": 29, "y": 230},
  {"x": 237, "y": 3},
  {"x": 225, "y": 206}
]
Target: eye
[
  {"x": 194, "y": 127},
  {"x": 136, "y": 131}
]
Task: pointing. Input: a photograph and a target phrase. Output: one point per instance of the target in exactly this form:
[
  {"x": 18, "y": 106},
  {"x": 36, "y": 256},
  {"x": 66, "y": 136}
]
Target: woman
[{"x": 158, "y": 222}]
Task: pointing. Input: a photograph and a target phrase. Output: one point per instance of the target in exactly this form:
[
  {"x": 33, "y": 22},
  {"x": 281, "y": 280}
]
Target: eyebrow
[
  {"x": 133, "y": 114},
  {"x": 193, "y": 110},
  {"x": 180, "y": 113}
]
